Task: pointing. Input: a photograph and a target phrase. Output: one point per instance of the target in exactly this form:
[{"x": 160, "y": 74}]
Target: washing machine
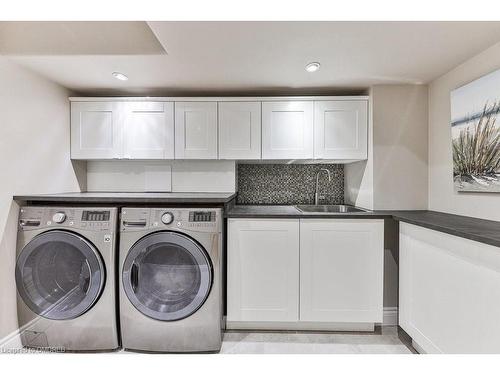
[
  {"x": 65, "y": 278},
  {"x": 171, "y": 284}
]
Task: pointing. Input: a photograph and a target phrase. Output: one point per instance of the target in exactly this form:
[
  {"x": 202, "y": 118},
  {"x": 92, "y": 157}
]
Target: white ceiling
[
  {"x": 243, "y": 57},
  {"x": 78, "y": 38}
]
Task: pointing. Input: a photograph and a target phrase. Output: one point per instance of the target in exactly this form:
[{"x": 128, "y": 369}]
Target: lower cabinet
[
  {"x": 263, "y": 270},
  {"x": 305, "y": 274},
  {"x": 449, "y": 292},
  {"x": 341, "y": 270}
]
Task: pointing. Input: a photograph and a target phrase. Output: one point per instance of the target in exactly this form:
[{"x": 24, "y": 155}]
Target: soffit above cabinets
[
  {"x": 90, "y": 38},
  {"x": 254, "y": 58}
]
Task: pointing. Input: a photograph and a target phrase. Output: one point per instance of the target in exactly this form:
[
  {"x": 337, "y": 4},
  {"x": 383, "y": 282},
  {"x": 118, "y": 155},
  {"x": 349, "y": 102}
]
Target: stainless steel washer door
[
  {"x": 59, "y": 275},
  {"x": 167, "y": 276}
]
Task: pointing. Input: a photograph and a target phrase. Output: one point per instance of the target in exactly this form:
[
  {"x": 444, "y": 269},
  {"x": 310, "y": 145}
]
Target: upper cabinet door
[
  {"x": 239, "y": 130},
  {"x": 148, "y": 130},
  {"x": 196, "y": 130},
  {"x": 341, "y": 129},
  {"x": 287, "y": 130},
  {"x": 96, "y": 130}
]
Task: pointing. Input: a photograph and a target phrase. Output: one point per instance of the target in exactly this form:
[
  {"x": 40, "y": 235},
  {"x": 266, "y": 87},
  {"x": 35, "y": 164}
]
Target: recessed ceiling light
[
  {"x": 120, "y": 76},
  {"x": 313, "y": 67}
]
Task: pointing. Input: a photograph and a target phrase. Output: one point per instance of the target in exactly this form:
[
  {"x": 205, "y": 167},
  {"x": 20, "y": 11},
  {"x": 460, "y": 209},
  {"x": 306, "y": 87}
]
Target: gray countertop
[
  {"x": 104, "y": 197},
  {"x": 249, "y": 211},
  {"x": 485, "y": 231}
]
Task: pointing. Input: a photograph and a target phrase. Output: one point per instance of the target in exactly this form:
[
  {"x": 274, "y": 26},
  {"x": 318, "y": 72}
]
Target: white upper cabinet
[
  {"x": 96, "y": 130},
  {"x": 148, "y": 130},
  {"x": 220, "y": 128},
  {"x": 287, "y": 130},
  {"x": 341, "y": 129},
  {"x": 196, "y": 130},
  {"x": 117, "y": 130},
  {"x": 239, "y": 130},
  {"x": 341, "y": 270}
]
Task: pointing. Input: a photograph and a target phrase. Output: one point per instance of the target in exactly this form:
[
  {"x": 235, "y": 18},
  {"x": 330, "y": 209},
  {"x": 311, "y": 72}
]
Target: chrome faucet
[{"x": 316, "y": 196}]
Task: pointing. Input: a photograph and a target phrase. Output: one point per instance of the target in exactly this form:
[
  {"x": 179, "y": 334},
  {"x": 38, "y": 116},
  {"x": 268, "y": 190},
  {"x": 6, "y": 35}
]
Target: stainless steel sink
[{"x": 337, "y": 208}]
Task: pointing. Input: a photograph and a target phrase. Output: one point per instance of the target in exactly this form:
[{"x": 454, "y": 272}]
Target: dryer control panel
[{"x": 196, "y": 219}]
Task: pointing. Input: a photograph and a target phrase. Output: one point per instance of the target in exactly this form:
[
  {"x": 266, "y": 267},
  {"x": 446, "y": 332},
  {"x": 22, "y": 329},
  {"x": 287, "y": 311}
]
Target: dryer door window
[
  {"x": 59, "y": 275},
  {"x": 167, "y": 276}
]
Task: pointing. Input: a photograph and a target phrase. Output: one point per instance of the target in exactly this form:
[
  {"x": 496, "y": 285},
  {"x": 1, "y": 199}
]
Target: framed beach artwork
[{"x": 475, "y": 133}]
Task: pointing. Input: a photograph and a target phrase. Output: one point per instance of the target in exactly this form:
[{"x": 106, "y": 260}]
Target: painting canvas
[{"x": 475, "y": 133}]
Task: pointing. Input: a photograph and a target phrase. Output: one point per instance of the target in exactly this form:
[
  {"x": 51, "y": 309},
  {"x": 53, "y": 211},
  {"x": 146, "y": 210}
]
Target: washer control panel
[{"x": 94, "y": 219}]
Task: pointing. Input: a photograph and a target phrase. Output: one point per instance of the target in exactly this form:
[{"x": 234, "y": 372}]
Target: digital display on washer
[
  {"x": 95, "y": 216},
  {"x": 200, "y": 216}
]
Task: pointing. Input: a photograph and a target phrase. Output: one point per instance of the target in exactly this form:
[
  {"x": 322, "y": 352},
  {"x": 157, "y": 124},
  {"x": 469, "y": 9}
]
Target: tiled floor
[{"x": 384, "y": 340}]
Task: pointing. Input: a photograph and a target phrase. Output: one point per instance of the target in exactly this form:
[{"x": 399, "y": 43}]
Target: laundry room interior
[{"x": 249, "y": 187}]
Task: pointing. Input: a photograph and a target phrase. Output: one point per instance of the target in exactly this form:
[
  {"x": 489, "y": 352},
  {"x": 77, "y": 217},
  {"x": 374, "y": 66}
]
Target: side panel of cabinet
[
  {"x": 341, "y": 129},
  {"x": 287, "y": 130},
  {"x": 96, "y": 130},
  {"x": 341, "y": 270},
  {"x": 449, "y": 292},
  {"x": 196, "y": 130},
  {"x": 149, "y": 130},
  {"x": 239, "y": 130},
  {"x": 263, "y": 270}
]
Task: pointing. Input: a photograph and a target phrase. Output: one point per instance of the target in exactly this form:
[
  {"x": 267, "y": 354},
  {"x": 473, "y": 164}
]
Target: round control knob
[
  {"x": 59, "y": 217},
  {"x": 167, "y": 218}
]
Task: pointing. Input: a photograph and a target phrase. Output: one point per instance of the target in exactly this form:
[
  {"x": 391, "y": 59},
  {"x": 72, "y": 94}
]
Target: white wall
[
  {"x": 442, "y": 196},
  {"x": 395, "y": 174},
  {"x": 34, "y": 158},
  {"x": 129, "y": 176},
  {"x": 162, "y": 176},
  {"x": 400, "y": 134}
]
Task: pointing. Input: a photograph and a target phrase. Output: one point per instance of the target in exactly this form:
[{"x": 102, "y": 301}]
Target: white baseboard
[
  {"x": 390, "y": 316},
  {"x": 301, "y": 326}
]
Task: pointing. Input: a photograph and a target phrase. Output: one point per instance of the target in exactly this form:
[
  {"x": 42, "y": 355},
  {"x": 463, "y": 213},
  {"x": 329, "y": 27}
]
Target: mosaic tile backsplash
[{"x": 288, "y": 184}]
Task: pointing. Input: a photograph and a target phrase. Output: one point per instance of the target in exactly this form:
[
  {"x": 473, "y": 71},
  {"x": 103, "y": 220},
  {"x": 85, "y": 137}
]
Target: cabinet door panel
[
  {"x": 239, "y": 130},
  {"x": 341, "y": 268},
  {"x": 95, "y": 130},
  {"x": 196, "y": 130},
  {"x": 149, "y": 130},
  {"x": 341, "y": 129},
  {"x": 287, "y": 130},
  {"x": 263, "y": 270}
]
